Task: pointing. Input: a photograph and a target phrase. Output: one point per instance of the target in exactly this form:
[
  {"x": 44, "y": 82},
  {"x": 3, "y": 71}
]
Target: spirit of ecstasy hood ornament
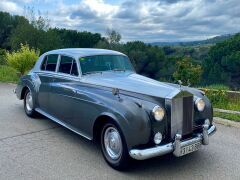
[{"x": 180, "y": 84}]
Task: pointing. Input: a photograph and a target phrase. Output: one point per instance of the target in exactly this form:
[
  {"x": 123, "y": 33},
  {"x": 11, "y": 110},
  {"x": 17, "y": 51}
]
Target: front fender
[{"x": 133, "y": 120}]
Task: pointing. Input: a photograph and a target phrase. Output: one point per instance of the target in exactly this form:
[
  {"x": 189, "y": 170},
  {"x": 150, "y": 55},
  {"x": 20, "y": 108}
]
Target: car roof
[{"x": 80, "y": 52}]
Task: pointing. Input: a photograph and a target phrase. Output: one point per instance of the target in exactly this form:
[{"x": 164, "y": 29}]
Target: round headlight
[
  {"x": 158, "y": 113},
  {"x": 157, "y": 138},
  {"x": 200, "y": 104}
]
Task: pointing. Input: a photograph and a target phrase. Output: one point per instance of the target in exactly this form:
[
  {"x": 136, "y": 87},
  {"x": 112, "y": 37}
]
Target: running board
[{"x": 61, "y": 123}]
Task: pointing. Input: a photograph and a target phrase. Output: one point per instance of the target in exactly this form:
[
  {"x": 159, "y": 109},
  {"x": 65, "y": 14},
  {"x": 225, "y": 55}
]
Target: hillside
[{"x": 210, "y": 41}]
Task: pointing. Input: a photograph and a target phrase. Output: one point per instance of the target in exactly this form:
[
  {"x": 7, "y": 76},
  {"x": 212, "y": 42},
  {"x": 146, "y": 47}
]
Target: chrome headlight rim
[
  {"x": 155, "y": 115},
  {"x": 158, "y": 137},
  {"x": 197, "y": 105},
  {"x": 207, "y": 122}
]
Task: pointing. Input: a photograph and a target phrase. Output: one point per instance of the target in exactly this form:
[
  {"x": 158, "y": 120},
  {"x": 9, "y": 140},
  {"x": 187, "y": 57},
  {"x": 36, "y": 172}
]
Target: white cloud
[
  {"x": 100, "y": 7},
  {"x": 147, "y": 20},
  {"x": 11, "y": 7}
]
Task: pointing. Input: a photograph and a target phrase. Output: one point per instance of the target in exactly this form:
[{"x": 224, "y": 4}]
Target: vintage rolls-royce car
[{"x": 97, "y": 94}]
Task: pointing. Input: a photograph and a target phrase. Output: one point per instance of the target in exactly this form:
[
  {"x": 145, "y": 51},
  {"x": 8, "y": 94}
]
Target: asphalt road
[{"x": 41, "y": 149}]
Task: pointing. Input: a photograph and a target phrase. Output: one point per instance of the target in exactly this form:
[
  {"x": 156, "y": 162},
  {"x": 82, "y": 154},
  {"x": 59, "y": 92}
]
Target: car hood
[{"x": 131, "y": 82}]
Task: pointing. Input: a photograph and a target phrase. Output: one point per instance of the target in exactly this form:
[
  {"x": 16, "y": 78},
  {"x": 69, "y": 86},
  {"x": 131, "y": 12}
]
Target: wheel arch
[
  {"x": 26, "y": 84},
  {"x": 24, "y": 89},
  {"x": 101, "y": 121}
]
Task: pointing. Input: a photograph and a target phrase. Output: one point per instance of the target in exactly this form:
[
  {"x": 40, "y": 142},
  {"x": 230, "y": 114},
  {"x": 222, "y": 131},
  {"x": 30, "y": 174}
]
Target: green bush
[
  {"x": 188, "y": 72},
  {"x": 221, "y": 99},
  {"x": 3, "y": 57},
  {"x": 216, "y": 96},
  {"x": 23, "y": 59},
  {"x": 8, "y": 74}
]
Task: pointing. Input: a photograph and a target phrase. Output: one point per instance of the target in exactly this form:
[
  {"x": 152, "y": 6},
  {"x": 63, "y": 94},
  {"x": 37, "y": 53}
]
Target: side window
[
  {"x": 51, "y": 62},
  {"x": 68, "y": 66},
  {"x": 43, "y": 67}
]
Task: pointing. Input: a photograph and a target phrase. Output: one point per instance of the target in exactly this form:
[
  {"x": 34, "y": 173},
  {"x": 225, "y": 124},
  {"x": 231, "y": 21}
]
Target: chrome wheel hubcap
[
  {"x": 113, "y": 143},
  {"x": 29, "y": 102}
]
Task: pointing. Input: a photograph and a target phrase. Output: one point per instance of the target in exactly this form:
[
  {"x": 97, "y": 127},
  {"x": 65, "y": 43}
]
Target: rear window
[
  {"x": 50, "y": 62},
  {"x": 68, "y": 66}
]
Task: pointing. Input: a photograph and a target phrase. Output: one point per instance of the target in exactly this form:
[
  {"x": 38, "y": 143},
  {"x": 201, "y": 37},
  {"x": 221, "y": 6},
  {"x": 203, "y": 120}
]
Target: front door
[{"x": 62, "y": 96}]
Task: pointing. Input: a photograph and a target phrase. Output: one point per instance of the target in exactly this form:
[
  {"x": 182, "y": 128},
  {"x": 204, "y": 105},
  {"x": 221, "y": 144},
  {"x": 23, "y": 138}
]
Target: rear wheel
[
  {"x": 28, "y": 104},
  {"x": 113, "y": 146}
]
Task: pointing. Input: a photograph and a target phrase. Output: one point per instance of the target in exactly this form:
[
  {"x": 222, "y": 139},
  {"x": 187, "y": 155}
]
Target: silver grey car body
[{"x": 82, "y": 103}]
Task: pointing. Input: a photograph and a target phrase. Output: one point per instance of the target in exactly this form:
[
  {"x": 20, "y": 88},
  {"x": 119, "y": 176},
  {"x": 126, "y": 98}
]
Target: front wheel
[
  {"x": 113, "y": 146},
  {"x": 28, "y": 104}
]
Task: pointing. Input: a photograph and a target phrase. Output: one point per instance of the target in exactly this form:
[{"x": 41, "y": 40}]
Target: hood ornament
[
  {"x": 115, "y": 92},
  {"x": 180, "y": 84}
]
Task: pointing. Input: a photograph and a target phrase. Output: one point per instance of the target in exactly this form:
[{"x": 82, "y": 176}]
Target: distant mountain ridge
[{"x": 210, "y": 41}]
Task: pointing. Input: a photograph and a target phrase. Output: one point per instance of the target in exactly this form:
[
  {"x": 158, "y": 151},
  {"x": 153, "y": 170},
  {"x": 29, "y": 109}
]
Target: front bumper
[{"x": 175, "y": 147}]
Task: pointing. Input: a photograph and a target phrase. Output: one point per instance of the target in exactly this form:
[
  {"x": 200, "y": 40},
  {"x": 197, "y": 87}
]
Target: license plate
[{"x": 190, "y": 148}]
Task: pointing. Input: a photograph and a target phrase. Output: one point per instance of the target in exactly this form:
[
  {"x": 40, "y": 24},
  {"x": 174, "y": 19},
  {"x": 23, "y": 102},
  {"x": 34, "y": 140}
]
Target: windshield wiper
[
  {"x": 118, "y": 70},
  {"x": 92, "y": 72}
]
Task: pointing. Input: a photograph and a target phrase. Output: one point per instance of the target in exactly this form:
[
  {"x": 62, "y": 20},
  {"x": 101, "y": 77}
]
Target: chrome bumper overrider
[{"x": 175, "y": 147}]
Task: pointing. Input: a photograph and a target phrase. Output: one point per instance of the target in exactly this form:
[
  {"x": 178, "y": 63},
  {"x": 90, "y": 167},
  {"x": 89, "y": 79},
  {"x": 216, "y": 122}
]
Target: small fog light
[
  {"x": 158, "y": 138},
  {"x": 207, "y": 122}
]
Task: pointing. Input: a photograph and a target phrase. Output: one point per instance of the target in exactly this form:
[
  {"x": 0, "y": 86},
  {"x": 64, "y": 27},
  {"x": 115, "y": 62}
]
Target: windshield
[{"x": 100, "y": 63}]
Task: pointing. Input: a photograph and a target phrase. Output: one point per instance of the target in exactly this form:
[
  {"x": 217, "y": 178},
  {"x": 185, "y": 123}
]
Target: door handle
[{"x": 74, "y": 91}]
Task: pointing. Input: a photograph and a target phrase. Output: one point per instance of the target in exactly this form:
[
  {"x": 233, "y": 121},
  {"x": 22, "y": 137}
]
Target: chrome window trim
[
  {"x": 43, "y": 62},
  {"x": 58, "y": 62},
  {"x": 78, "y": 66},
  {"x": 73, "y": 59},
  {"x": 40, "y": 68},
  {"x": 42, "y": 72},
  {"x": 133, "y": 69}
]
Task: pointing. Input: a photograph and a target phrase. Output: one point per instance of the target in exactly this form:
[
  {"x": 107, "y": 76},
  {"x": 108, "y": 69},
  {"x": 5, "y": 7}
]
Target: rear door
[{"x": 48, "y": 69}]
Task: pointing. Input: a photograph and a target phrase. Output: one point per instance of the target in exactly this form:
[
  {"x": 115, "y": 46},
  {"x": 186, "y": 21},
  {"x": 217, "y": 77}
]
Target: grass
[
  {"x": 232, "y": 117},
  {"x": 232, "y": 104},
  {"x": 222, "y": 99},
  {"x": 218, "y": 87},
  {"x": 8, "y": 74}
]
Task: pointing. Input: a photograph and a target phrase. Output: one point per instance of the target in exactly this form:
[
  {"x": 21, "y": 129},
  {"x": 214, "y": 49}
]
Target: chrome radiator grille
[{"x": 181, "y": 115}]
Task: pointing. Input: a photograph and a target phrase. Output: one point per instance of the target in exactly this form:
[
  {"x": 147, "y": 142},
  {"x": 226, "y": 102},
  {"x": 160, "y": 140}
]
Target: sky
[{"x": 145, "y": 20}]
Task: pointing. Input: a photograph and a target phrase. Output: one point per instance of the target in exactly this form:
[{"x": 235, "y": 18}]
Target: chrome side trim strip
[
  {"x": 61, "y": 123},
  {"x": 175, "y": 147}
]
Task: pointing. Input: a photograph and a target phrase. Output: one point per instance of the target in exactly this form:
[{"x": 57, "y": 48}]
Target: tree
[
  {"x": 148, "y": 60},
  {"x": 103, "y": 44},
  {"x": 38, "y": 21},
  {"x": 39, "y": 39},
  {"x": 35, "y": 32},
  {"x": 113, "y": 37},
  {"x": 23, "y": 59},
  {"x": 7, "y": 24},
  {"x": 2, "y": 57},
  {"x": 223, "y": 63},
  {"x": 187, "y": 72},
  {"x": 76, "y": 39}
]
